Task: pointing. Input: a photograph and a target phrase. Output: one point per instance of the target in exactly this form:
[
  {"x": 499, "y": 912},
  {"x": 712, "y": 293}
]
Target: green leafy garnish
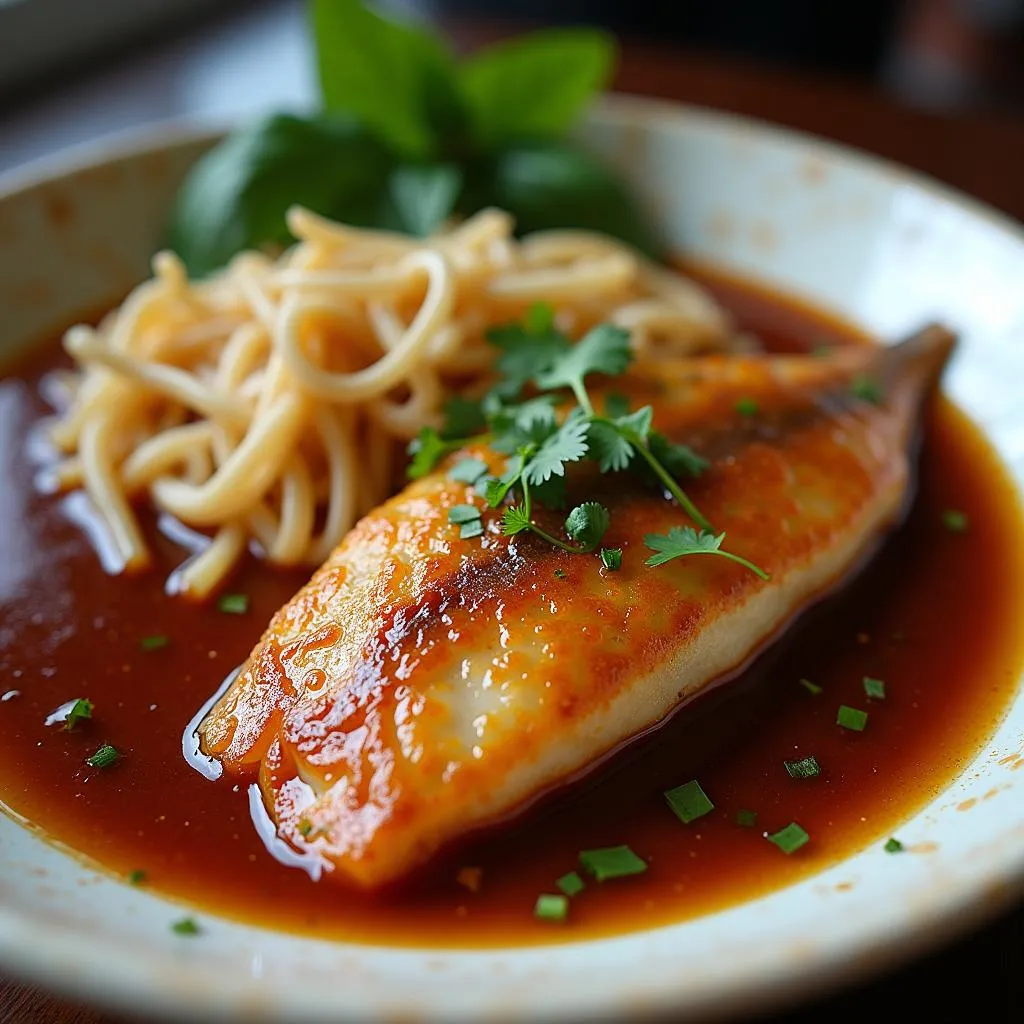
[
  {"x": 571, "y": 884},
  {"x": 472, "y": 528},
  {"x": 561, "y": 574},
  {"x": 893, "y": 846},
  {"x": 851, "y": 718},
  {"x": 80, "y": 711},
  {"x": 689, "y": 802},
  {"x": 155, "y": 642},
  {"x": 586, "y": 524},
  {"x": 186, "y": 926},
  {"x": 955, "y": 521},
  {"x": 234, "y": 604},
  {"x": 468, "y": 471},
  {"x": 410, "y": 136},
  {"x": 463, "y": 513},
  {"x": 805, "y": 768},
  {"x": 681, "y": 541},
  {"x": 550, "y": 907},
  {"x": 867, "y": 389},
  {"x": 790, "y": 839},
  {"x": 611, "y": 559},
  {"x": 462, "y": 417},
  {"x": 874, "y": 688},
  {"x": 605, "y": 349},
  {"x": 747, "y": 407},
  {"x": 748, "y": 819},
  {"x": 136, "y": 877},
  {"x": 611, "y": 862},
  {"x": 104, "y": 757},
  {"x": 812, "y": 688}
]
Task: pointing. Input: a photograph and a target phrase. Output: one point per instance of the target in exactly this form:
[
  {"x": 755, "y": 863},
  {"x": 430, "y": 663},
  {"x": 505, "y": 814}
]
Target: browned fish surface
[{"x": 422, "y": 685}]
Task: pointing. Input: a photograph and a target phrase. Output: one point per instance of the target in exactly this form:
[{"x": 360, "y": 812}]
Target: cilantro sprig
[{"x": 541, "y": 446}]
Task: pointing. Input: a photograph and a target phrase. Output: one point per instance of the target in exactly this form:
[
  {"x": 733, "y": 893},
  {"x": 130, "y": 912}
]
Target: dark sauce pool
[{"x": 936, "y": 617}]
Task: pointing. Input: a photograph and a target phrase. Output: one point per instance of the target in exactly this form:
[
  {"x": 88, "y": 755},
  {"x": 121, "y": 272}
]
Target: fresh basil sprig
[{"x": 409, "y": 136}]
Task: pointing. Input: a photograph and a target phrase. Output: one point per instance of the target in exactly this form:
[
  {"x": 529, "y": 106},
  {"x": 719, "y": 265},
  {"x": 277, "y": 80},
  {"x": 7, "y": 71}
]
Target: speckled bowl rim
[{"x": 65, "y": 960}]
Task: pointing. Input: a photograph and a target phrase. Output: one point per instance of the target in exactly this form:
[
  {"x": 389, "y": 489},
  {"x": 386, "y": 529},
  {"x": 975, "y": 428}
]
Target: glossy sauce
[{"x": 935, "y": 617}]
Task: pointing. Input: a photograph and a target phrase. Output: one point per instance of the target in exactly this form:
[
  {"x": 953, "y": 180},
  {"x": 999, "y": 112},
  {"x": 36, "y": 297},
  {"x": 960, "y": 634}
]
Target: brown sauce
[{"x": 935, "y": 617}]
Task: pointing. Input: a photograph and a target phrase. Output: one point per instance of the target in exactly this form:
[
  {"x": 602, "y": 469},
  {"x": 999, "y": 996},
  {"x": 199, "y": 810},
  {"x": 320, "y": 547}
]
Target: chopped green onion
[
  {"x": 551, "y": 908},
  {"x": 874, "y": 688},
  {"x": 747, "y": 407},
  {"x": 611, "y": 558},
  {"x": 80, "y": 711},
  {"x": 154, "y": 643},
  {"x": 748, "y": 819},
  {"x": 468, "y": 471},
  {"x": 805, "y": 768},
  {"x": 812, "y": 688},
  {"x": 463, "y": 514},
  {"x": 955, "y": 521},
  {"x": 571, "y": 884},
  {"x": 234, "y": 604},
  {"x": 474, "y": 528},
  {"x": 136, "y": 877},
  {"x": 104, "y": 757},
  {"x": 894, "y": 846},
  {"x": 611, "y": 862},
  {"x": 689, "y": 802},
  {"x": 186, "y": 926},
  {"x": 851, "y": 718},
  {"x": 560, "y": 574},
  {"x": 867, "y": 389},
  {"x": 790, "y": 838}
]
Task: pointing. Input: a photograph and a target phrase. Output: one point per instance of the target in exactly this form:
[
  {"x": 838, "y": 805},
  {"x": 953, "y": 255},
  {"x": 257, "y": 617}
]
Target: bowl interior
[{"x": 884, "y": 248}]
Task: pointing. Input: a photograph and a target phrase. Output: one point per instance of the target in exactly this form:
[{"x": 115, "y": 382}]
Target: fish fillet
[{"x": 421, "y": 686}]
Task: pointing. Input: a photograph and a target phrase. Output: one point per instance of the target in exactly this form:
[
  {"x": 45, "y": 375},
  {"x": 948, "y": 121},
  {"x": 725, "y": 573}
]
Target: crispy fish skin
[{"x": 422, "y": 685}]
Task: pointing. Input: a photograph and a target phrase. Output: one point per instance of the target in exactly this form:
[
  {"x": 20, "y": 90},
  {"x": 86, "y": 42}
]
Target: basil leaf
[
  {"x": 535, "y": 85},
  {"x": 399, "y": 80},
  {"x": 236, "y": 196},
  {"x": 424, "y": 195},
  {"x": 553, "y": 185}
]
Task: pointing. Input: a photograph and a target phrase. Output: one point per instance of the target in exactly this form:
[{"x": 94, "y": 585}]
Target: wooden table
[{"x": 983, "y": 155}]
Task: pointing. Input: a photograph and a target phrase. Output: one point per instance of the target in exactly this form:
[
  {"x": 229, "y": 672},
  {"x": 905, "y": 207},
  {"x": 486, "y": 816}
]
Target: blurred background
[{"x": 72, "y": 69}]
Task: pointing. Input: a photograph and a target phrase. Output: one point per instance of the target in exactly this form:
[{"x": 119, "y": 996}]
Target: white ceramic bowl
[{"x": 877, "y": 244}]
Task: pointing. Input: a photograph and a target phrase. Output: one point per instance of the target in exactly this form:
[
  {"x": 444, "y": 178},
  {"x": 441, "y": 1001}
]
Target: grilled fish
[{"x": 422, "y": 685}]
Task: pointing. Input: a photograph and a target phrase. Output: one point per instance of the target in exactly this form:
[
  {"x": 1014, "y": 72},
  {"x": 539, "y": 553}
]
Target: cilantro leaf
[
  {"x": 498, "y": 488},
  {"x": 80, "y": 711},
  {"x": 611, "y": 558},
  {"x": 615, "y": 405},
  {"x": 524, "y": 354},
  {"x": 462, "y": 418},
  {"x": 636, "y": 425},
  {"x": 540, "y": 318},
  {"x": 427, "y": 449},
  {"x": 567, "y": 444},
  {"x": 605, "y": 349},
  {"x": 587, "y": 523},
  {"x": 468, "y": 471},
  {"x": 608, "y": 447},
  {"x": 685, "y": 540},
  {"x": 514, "y": 520},
  {"x": 678, "y": 459}
]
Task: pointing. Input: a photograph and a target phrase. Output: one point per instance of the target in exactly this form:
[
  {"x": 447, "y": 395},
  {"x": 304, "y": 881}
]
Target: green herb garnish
[
  {"x": 812, "y": 688},
  {"x": 474, "y": 528},
  {"x": 689, "y": 802},
  {"x": 611, "y": 862},
  {"x": 893, "y": 846},
  {"x": 234, "y": 604},
  {"x": 410, "y": 136},
  {"x": 571, "y": 884},
  {"x": 790, "y": 839},
  {"x": 805, "y": 768},
  {"x": 685, "y": 540},
  {"x": 851, "y": 718},
  {"x": 955, "y": 521},
  {"x": 154, "y": 643},
  {"x": 459, "y": 514},
  {"x": 550, "y": 907},
  {"x": 136, "y": 877},
  {"x": 186, "y": 926},
  {"x": 867, "y": 389},
  {"x": 747, "y": 407},
  {"x": 874, "y": 688},
  {"x": 748, "y": 819},
  {"x": 611, "y": 559},
  {"x": 104, "y": 757},
  {"x": 468, "y": 471},
  {"x": 80, "y": 711}
]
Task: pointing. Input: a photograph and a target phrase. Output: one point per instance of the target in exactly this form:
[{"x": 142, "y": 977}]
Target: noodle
[{"x": 265, "y": 403}]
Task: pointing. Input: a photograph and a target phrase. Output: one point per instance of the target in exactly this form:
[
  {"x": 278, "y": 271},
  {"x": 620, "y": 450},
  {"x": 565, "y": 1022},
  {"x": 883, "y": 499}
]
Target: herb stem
[
  {"x": 554, "y": 540},
  {"x": 757, "y": 570},
  {"x": 680, "y": 495},
  {"x": 582, "y": 397}
]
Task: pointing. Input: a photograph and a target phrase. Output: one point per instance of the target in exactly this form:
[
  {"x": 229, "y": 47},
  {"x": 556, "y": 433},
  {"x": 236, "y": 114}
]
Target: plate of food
[{"x": 506, "y": 556}]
